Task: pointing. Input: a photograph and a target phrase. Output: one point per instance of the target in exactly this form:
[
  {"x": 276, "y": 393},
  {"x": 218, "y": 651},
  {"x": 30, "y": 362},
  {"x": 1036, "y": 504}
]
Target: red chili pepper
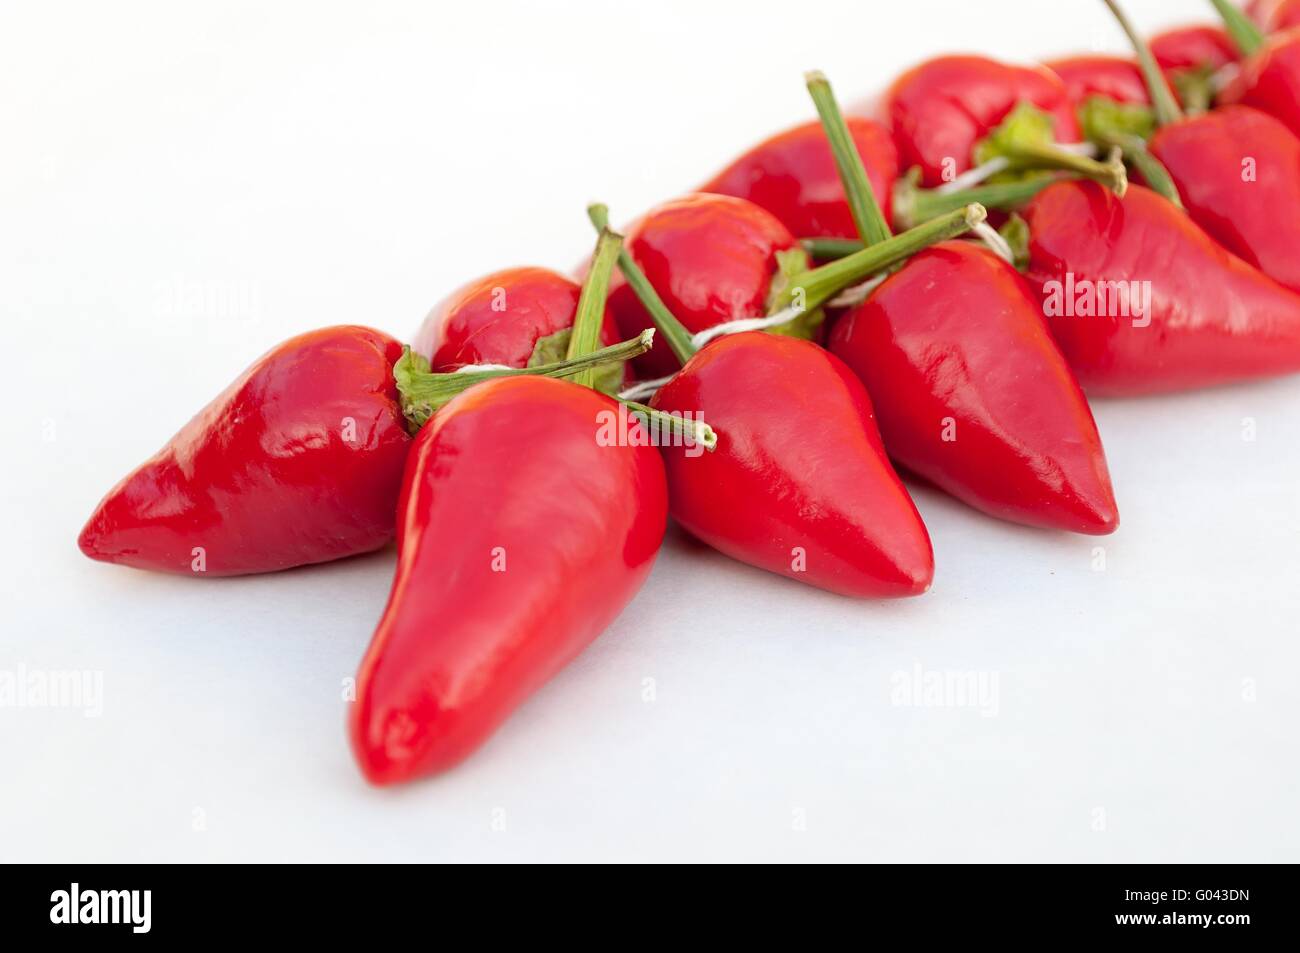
[
  {"x": 940, "y": 110},
  {"x": 713, "y": 259},
  {"x": 520, "y": 317},
  {"x": 298, "y": 461},
  {"x": 1269, "y": 79},
  {"x": 1210, "y": 319},
  {"x": 799, "y": 483},
  {"x": 1188, "y": 57},
  {"x": 521, "y": 539},
  {"x": 1114, "y": 77},
  {"x": 527, "y": 521},
  {"x": 1237, "y": 171},
  {"x": 792, "y": 175},
  {"x": 972, "y": 392},
  {"x": 1193, "y": 48},
  {"x": 974, "y": 395}
]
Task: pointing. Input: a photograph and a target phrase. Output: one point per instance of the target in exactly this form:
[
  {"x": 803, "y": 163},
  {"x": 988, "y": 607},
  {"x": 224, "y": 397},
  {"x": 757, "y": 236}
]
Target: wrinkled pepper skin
[
  {"x": 799, "y": 468},
  {"x": 1114, "y": 77},
  {"x": 1269, "y": 80},
  {"x": 1201, "y": 47},
  {"x": 521, "y": 538},
  {"x": 938, "y": 111},
  {"x": 299, "y": 461},
  {"x": 973, "y": 394},
  {"x": 1214, "y": 319},
  {"x": 1258, "y": 220},
  {"x": 501, "y": 318},
  {"x": 710, "y": 257},
  {"x": 793, "y": 176}
]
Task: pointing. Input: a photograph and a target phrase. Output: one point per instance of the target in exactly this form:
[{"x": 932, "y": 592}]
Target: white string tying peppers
[
  {"x": 643, "y": 389},
  {"x": 476, "y": 368},
  {"x": 845, "y": 299},
  {"x": 991, "y": 237}
]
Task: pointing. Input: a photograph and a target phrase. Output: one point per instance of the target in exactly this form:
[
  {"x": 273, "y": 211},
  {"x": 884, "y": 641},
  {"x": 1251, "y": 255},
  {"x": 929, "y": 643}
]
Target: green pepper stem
[
  {"x": 814, "y": 288},
  {"x": 914, "y": 205},
  {"x": 674, "y": 332},
  {"x": 1195, "y": 88},
  {"x": 1135, "y": 152},
  {"x": 867, "y": 216},
  {"x": 590, "y": 316},
  {"x": 828, "y": 249},
  {"x": 1015, "y": 232},
  {"x": 697, "y": 431},
  {"x": 1163, "y": 100},
  {"x": 1244, "y": 33},
  {"x": 423, "y": 392},
  {"x": 1036, "y": 155}
]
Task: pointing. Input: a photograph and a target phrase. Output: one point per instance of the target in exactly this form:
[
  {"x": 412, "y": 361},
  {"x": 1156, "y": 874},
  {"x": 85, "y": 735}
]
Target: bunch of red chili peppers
[{"x": 758, "y": 360}]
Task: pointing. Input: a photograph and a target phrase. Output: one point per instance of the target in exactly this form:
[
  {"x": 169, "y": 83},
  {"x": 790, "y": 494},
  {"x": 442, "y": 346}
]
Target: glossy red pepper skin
[
  {"x": 799, "y": 484},
  {"x": 1213, "y": 320},
  {"x": 1120, "y": 79},
  {"x": 710, "y": 257},
  {"x": 1269, "y": 80},
  {"x": 1114, "y": 77},
  {"x": 299, "y": 461},
  {"x": 938, "y": 111},
  {"x": 1256, "y": 219},
  {"x": 793, "y": 176},
  {"x": 500, "y": 318},
  {"x": 973, "y": 394},
  {"x": 521, "y": 538},
  {"x": 1193, "y": 47}
]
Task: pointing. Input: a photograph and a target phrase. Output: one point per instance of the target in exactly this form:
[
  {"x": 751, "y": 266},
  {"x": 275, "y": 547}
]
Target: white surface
[{"x": 319, "y": 164}]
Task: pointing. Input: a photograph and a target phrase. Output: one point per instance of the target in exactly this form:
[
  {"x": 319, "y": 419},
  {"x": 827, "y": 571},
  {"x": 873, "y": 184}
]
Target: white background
[{"x": 321, "y": 164}]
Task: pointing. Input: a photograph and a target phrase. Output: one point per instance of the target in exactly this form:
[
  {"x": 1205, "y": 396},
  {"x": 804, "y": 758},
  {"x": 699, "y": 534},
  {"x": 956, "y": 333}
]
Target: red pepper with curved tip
[
  {"x": 1212, "y": 318},
  {"x": 522, "y": 533},
  {"x": 519, "y": 317},
  {"x": 792, "y": 175},
  {"x": 1236, "y": 169},
  {"x": 971, "y": 390},
  {"x": 942, "y": 109},
  {"x": 1269, "y": 78},
  {"x": 799, "y": 484},
  {"x": 713, "y": 259},
  {"x": 299, "y": 461}
]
